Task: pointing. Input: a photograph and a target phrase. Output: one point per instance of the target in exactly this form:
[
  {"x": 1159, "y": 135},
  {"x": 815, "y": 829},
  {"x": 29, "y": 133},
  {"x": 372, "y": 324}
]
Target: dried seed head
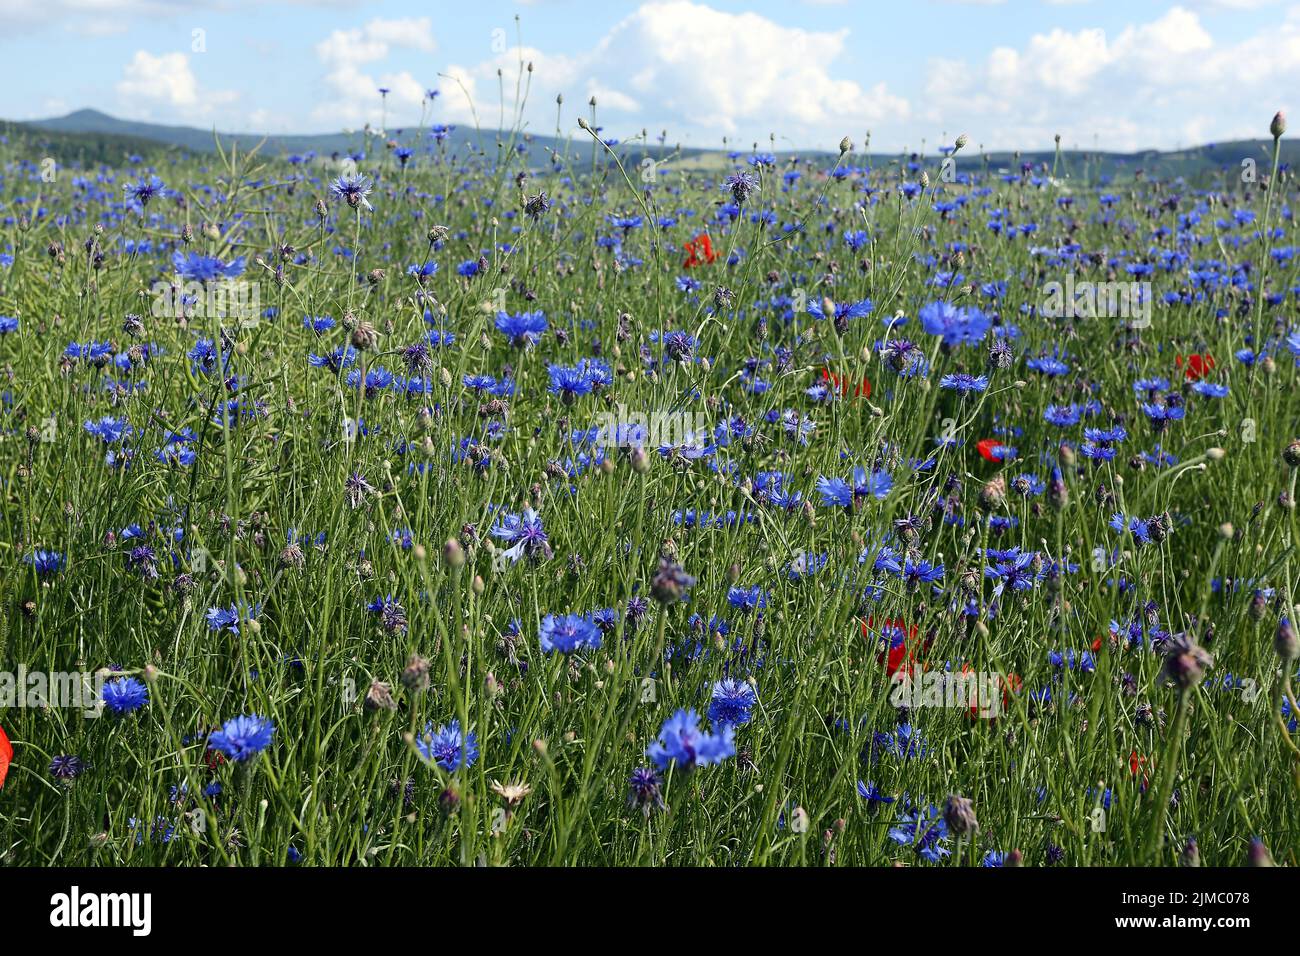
[
  {"x": 415, "y": 677},
  {"x": 380, "y": 697}
]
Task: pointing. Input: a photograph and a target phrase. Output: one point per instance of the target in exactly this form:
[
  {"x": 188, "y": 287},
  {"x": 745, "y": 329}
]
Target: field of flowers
[{"x": 420, "y": 507}]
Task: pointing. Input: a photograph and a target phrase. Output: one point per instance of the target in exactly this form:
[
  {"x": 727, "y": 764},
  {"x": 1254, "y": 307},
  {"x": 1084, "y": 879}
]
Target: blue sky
[{"x": 1009, "y": 74}]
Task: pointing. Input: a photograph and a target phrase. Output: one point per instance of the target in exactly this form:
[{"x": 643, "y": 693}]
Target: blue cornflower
[
  {"x": 1048, "y": 365},
  {"x": 925, "y": 831},
  {"x": 353, "y": 189},
  {"x": 957, "y": 326},
  {"x": 569, "y": 381},
  {"x": 1210, "y": 389},
  {"x": 747, "y": 599},
  {"x": 522, "y": 329},
  {"x": 732, "y": 702},
  {"x": 1161, "y": 415},
  {"x": 839, "y": 493},
  {"x": 200, "y": 268},
  {"x": 144, "y": 189},
  {"x": 841, "y": 312},
  {"x": 97, "y": 353},
  {"x": 872, "y": 794},
  {"x": 123, "y": 695},
  {"x": 45, "y": 563},
  {"x": 740, "y": 185},
  {"x": 525, "y": 533},
  {"x": 567, "y": 633},
  {"x": 392, "y": 616},
  {"x": 963, "y": 383},
  {"x": 919, "y": 571},
  {"x": 1017, "y": 573},
  {"x": 448, "y": 747},
  {"x": 109, "y": 430},
  {"x": 242, "y": 738},
  {"x": 684, "y": 745},
  {"x": 229, "y": 618},
  {"x": 334, "y": 361},
  {"x": 644, "y": 790}
]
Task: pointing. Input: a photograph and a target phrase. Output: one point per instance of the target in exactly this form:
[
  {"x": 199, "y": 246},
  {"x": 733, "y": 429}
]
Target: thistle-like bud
[
  {"x": 670, "y": 582},
  {"x": 962, "y": 140},
  {"x": 959, "y": 814},
  {"x": 1258, "y": 854},
  {"x": 415, "y": 677},
  {"x": 1285, "y": 641},
  {"x": 449, "y": 800},
  {"x": 364, "y": 336},
  {"x": 1278, "y": 126},
  {"x": 846, "y": 146},
  {"x": 453, "y": 553},
  {"x": 1185, "y": 661},
  {"x": 379, "y": 697},
  {"x": 993, "y": 494}
]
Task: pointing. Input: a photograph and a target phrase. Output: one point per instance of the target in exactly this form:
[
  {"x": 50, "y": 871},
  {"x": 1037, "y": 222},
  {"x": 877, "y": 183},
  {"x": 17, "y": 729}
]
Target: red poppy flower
[
  {"x": 985, "y": 447},
  {"x": 839, "y": 383},
  {"x": 6, "y": 756},
  {"x": 1197, "y": 366},
  {"x": 1135, "y": 764},
  {"x": 1096, "y": 645},
  {"x": 903, "y": 644},
  {"x": 699, "y": 251}
]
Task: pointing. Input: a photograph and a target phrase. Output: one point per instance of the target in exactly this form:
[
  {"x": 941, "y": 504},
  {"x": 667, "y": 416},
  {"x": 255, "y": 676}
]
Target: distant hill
[
  {"x": 461, "y": 140},
  {"x": 93, "y": 136}
]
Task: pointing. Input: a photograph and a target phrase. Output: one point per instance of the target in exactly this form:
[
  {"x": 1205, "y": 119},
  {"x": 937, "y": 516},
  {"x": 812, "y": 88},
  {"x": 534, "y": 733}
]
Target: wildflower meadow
[{"x": 459, "y": 498}]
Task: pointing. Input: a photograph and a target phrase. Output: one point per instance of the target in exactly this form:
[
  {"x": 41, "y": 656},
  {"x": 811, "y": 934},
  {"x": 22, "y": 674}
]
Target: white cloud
[
  {"x": 167, "y": 81},
  {"x": 1161, "y": 83},
  {"x": 353, "y": 93},
  {"x": 689, "y": 67}
]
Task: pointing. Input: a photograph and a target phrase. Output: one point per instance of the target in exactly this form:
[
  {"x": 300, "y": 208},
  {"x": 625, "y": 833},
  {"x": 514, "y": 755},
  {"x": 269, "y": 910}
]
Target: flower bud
[
  {"x": 959, "y": 814},
  {"x": 1285, "y": 642},
  {"x": 1259, "y": 855}
]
